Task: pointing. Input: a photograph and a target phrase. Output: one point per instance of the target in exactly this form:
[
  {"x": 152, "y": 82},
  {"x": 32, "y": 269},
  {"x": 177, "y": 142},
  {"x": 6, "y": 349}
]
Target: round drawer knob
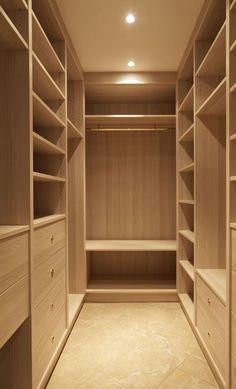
[
  {"x": 52, "y": 306},
  {"x": 52, "y": 239},
  {"x": 52, "y": 272},
  {"x": 209, "y": 301},
  {"x": 209, "y": 334},
  {"x": 52, "y": 339}
]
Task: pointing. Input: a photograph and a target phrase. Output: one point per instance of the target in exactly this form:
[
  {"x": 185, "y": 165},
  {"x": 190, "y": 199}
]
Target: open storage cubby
[
  {"x": 130, "y": 150},
  {"x": 75, "y": 186},
  {"x": 15, "y": 14}
]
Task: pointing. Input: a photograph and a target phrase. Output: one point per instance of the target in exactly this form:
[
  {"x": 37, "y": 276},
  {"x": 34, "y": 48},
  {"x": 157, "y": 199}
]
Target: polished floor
[{"x": 132, "y": 346}]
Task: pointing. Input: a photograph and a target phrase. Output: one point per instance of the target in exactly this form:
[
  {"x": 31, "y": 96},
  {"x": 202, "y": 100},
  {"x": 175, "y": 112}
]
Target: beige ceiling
[{"x": 105, "y": 42}]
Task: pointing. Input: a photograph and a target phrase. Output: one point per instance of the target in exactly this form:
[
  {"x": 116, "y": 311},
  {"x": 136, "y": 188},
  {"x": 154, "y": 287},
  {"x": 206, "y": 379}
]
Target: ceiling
[{"x": 105, "y": 42}]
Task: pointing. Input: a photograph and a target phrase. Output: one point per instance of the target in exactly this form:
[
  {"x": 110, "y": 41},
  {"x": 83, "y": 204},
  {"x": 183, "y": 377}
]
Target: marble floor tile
[{"x": 132, "y": 346}]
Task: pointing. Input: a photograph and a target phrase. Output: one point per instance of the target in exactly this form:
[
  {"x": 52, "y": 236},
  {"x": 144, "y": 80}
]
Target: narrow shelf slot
[
  {"x": 41, "y": 177},
  {"x": 43, "y": 146},
  {"x": 43, "y": 115},
  {"x": 216, "y": 280},
  {"x": 187, "y": 169},
  {"x": 44, "y": 49},
  {"x": 73, "y": 131},
  {"x": 214, "y": 61},
  {"x": 44, "y": 220},
  {"x": 130, "y": 245},
  {"x": 10, "y": 38},
  {"x": 188, "y": 268},
  {"x": 188, "y": 135},
  {"x": 7, "y": 231},
  {"x": 187, "y": 104},
  {"x": 187, "y": 234},
  {"x": 43, "y": 84},
  {"x": 215, "y": 104},
  {"x": 188, "y": 305}
]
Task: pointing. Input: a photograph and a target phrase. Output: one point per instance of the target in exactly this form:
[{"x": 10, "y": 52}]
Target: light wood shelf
[
  {"x": 233, "y": 178},
  {"x": 43, "y": 83},
  {"x": 188, "y": 135},
  {"x": 188, "y": 305},
  {"x": 10, "y": 38},
  {"x": 187, "y": 169},
  {"x": 130, "y": 245},
  {"x": 233, "y": 47},
  {"x": 44, "y": 220},
  {"x": 73, "y": 131},
  {"x": 188, "y": 202},
  {"x": 43, "y": 146},
  {"x": 233, "y": 6},
  {"x": 130, "y": 121},
  {"x": 216, "y": 280},
  {"x": 233, "y": 88},
  {"x": 187, "y": 103},
  {"x": 215, "y": 104},
  {"x": 41, "y": 177},
  {"x": 7, "y": 231},
  {"x": 188, "y": 234},
  {"x": 214, "y": 60},
  {"x": 233, "y": 226},
  {"x": 74, "y": 305},
  {"x": 188, "y": 268},
  {"x": 43, "y": 115},
  {"x": 233, "y": 137},
  {"x": 44, "y": 49}
]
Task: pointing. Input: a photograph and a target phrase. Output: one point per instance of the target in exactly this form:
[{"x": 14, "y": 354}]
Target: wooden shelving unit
[
  {"x": 10, "y": 37},
  {"x": 43, "y": 146},
  {"x": 130, "y": 245},
  {"x": 216, "y": 280},
  {"x": 43, "y": 115}
]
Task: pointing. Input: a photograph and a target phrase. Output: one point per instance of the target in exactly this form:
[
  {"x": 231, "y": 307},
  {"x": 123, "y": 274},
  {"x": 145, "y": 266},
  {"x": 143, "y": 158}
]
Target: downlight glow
[
  {"x": 131, "y": 64},
  {"x": 130, "y": 19}
]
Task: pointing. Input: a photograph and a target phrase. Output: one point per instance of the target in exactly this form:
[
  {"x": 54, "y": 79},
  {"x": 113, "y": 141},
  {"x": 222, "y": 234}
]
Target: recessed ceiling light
[
  {"x": 130, "y": 19},
  {"x": 131, "y": 64}
]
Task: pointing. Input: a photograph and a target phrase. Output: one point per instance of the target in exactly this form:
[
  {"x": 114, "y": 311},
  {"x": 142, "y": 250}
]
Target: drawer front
[
  {"x": 233, "y": 249},
  {"x": 213, "y": 307},
  {"x": 233, "y": 291},
  {"x": 47, "y": 274},
  {"x": 214, "y": 341},
  {"x": 47, "y": 344},
  {"x": 49, "y": 307},
  {"x": 14, "y": 308},
  {"x": 14, "y": 260},
  {"x": 48, "y": 240}
]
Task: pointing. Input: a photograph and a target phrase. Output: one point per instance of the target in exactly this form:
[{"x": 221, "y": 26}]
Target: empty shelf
[
  {"x": 7, "y": 231},
  {"x": 10, "y": 38},
  {"x": 130, "y": 121},
  {"x": 188, "y": 268},
  {"x": 233, "y": 226},
  {"x": 75, "y": 303},
  {"x": 214, "y": 60},
  {"x": 43, "y": 48},
  {"x": 43, "y": 146},
  {"x": 43, "y": 220},
  {"x": 188, "y": 135},
  {"x": 42, "y": 177},
  {"x": 187, "y": 104},
  {"x": 215, "y": 104},
  {"x": 130, "y": 245},
  {"x": 188, "y": 305},
  {"x": 216, "y": 280},
  {"x": 188, "y": 168},
  {"x": 43, "y": 115},
  {"x": 188, "y": 234},
  {"x": 134, "y": 282},
  {"x": 73, "y": 131},
  {"x": 43, "y": 84}
]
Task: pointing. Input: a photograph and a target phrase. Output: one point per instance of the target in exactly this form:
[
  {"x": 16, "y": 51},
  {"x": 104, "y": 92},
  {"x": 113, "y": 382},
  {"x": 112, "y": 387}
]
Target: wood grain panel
[{"x": 130, "y": 182}]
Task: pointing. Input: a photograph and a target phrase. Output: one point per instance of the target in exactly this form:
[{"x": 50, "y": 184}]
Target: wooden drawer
[
  {"x": 49, "y": 307},
  {"x": 233, "y": 291},
  {"x": 14, "y": 260},
  {"x": 47, "y": 344},
  {"x": 48, "y": 240},
  {"x": 215, "y": 310},
  {"x": 47, "y": 274},
  {"x": 233, "y": 249},
  {"x": 14, "y": 308},
  {"x": 214, "y": 341}
]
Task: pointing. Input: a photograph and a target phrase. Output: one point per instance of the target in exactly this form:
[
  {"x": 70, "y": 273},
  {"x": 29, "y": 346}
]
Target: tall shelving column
[
  {"x": 231, "y": 53},
  {"x": 185, "y": 186},
  {"x": 15, "y": 371},
  {"x": 75, "y": 186}
]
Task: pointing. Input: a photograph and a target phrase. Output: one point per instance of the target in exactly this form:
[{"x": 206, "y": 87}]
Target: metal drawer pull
[
  {"x": 209, "y": 334},
  {"x": 52, "y": 272},
  {"x": 209, "y": 301},
  {"x": 52, "y": 339},
  {"x": 52, "y": 306},
  {"x": 52, "y": 239}
]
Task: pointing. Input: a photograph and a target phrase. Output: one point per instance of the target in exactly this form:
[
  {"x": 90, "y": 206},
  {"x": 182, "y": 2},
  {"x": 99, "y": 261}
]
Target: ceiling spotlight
[
  {"x": 130, "y": 19},
  {"x": 131, "y": 64}
]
